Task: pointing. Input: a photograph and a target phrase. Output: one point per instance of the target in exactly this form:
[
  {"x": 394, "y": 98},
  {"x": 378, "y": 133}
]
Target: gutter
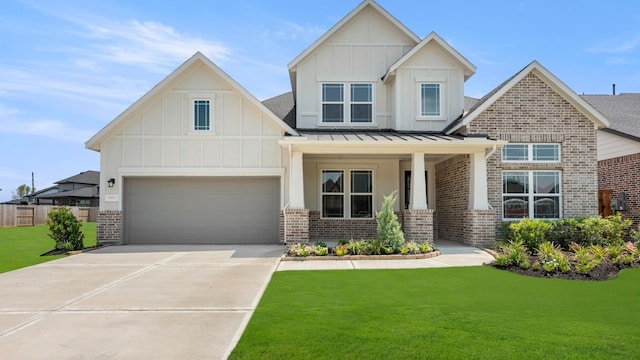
[{"x": 490, "y": 153}]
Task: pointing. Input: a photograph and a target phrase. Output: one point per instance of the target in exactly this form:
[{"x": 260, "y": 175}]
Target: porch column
[
  {"x": 296, "y": 182},
  {"x": 478, "y": 196},
  {"x": 418, "y": 187}
]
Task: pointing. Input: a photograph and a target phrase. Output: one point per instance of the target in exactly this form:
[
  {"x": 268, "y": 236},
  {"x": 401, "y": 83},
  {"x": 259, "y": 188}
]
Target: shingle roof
[
  {"x": 85, "y": 177},
  {"x": 85, "y": 192},
  {"x": 469, "y": 103},
  {"x": 283, "y": 107},
  {"x": 623, "y": 111}
]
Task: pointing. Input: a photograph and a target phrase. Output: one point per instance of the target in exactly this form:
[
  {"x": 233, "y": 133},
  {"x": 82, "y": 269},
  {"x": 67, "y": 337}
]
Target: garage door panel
[{"x": 201, "y": 210}]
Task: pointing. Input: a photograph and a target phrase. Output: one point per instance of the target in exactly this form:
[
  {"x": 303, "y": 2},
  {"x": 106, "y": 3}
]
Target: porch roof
[{"x": 370, "y": 141}]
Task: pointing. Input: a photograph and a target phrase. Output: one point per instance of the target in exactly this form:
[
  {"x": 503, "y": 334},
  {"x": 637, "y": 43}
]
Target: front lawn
[
  {"x": 446, "y": 313},
  {"x": 22, "y": 246}
]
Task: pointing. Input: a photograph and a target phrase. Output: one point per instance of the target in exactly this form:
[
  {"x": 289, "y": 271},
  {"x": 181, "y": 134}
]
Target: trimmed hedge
[{"x": 595, "y": 230}]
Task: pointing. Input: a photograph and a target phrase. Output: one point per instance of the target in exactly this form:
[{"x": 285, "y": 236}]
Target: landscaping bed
[{"x": 361, "y": 250}]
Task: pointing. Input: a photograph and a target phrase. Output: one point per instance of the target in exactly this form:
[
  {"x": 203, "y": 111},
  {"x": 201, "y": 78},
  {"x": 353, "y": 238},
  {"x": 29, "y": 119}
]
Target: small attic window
[
  {"x": 430, "y": 100},
  {"x": 201, "y": 115}
]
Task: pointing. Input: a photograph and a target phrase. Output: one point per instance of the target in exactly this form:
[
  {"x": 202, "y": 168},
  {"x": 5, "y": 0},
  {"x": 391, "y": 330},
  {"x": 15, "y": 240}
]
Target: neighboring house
[
  {"x": 619, "y": 153},
  {"x": 373, "y": 109},
  {"x": 82, "y": 189}
]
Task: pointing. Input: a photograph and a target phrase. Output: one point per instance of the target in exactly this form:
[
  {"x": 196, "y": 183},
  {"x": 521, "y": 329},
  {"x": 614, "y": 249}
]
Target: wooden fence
[{"x": 30, "y": 215}]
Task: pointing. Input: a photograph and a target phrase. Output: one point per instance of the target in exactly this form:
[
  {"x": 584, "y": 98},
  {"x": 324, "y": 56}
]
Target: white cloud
[{"x": 617, "y": 47}]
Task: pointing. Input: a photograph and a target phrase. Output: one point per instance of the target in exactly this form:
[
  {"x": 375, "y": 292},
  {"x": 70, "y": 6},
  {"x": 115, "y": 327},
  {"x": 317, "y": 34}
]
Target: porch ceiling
[{"x": 385, "y": 142}]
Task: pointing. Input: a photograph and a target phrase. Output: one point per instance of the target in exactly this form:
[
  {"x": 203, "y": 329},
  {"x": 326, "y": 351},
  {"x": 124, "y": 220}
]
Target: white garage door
[{"x": 201, "y": 210}]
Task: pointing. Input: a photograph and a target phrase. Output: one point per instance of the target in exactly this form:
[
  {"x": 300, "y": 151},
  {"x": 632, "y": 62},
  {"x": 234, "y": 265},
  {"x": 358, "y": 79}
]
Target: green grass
[
  {"x": 22, "y": 246},
  {"x": 448, "y": 313}
]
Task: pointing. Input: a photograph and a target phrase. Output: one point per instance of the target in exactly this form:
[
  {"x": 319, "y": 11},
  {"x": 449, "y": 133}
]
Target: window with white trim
[
  {"x": 531, "y": 153},
  {"x": 355, "y": 201},
  {"x": 532, "y": 194},
  {"x": 430, "y": 100},
  {"x": 354, "y": 107},
  {"x": 201, "y": 114}
]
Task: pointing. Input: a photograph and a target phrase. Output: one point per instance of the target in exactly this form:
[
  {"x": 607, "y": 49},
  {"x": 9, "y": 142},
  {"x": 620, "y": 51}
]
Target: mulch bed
[
  {"x": 64, "y": 252},
  {"x": 605, "y": 271}
]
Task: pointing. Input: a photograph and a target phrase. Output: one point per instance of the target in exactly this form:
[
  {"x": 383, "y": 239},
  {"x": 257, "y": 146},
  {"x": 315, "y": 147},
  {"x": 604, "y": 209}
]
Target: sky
[{"x": 67, "y": 68}]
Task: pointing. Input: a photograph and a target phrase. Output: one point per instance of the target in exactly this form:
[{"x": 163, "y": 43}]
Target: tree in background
[{"x": 22, "y": 191}]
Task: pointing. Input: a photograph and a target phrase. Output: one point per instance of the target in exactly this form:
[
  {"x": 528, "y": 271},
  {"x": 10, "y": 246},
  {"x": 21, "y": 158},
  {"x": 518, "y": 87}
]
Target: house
[
  {"x": 82, "y": 189},
  {"x": 619, "y": 154},
  {"x": 373, "y": 109}
]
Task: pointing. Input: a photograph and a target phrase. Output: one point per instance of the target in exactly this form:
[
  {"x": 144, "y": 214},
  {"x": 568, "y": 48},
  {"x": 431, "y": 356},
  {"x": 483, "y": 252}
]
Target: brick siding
[
  {"x": 294, "y": 225},
  {"x": 529, "y": 112},
  {"x": 479, "y": 228},
  {"x": 109, "y": 228},
  {"x": 452, "y": 196},
  {"x": 622, "y": 174},
  {"x": 341, "y": 229},
  {"x": 418, "y": 225}
]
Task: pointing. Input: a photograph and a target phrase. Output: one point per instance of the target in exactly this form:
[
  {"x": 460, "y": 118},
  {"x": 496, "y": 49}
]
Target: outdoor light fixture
[{"x": 111, "y": 182}]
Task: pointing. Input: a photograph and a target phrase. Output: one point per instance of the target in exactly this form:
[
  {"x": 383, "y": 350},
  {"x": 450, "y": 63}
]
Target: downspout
[{"x": 490, "y": 153}]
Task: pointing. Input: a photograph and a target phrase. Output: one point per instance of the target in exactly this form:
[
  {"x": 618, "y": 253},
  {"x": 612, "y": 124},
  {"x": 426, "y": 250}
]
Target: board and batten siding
[
  {"x": 612, "y": 146},
  {"x": 158, "y": 139},
  {"x": 361, "y": 51}
]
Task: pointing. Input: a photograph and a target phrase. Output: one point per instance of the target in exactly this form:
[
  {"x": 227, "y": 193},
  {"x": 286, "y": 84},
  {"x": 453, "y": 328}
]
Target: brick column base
[
  {"x": 479, "y": 228},
  {"x": 294, "y": 225},
  {"x": 418, "y": 225},
  {"x": 109, "y": 228}
]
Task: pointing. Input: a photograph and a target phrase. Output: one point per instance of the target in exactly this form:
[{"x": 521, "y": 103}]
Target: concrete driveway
[{"x": 134, "y": 302}]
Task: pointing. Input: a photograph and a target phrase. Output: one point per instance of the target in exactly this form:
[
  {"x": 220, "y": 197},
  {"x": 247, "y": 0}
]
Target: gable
[{"x": 164, "y": 110}]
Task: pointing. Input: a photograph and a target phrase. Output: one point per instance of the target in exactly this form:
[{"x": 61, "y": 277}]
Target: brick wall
[
  {"x": 340, "y": 229},
  {"x": 479, "y": 228},
  {"x": 622, "y": 174},
  {"x": 109, "y": 228},
  {"x": 294, "y": 225},
  {"x": 452, "y": 196},
  {"x": 418, "y": 225},
  {"x": 531, "y": 111}
]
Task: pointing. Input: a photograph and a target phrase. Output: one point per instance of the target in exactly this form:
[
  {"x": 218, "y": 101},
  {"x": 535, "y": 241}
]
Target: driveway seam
[{"x": 41, "y": 315}]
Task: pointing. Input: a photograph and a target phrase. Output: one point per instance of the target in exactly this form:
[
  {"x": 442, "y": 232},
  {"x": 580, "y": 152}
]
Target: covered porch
[{"x": 337, "y": 180}]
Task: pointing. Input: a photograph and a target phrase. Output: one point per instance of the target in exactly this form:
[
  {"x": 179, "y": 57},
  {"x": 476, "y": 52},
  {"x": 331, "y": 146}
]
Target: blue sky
[{"x": 67, "y": 68}]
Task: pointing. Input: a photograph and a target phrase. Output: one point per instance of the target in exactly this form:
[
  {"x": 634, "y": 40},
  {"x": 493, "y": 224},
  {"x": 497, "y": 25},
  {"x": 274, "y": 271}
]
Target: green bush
[
  {"x": 530, "y": 232},
  {"x": 64, "y": 229},
  {"x": 513, "y": 253},
  {"x": 389, "y": 232},
  {"x": 563, "y": 232},
  {"x": 604, "y": 231}
]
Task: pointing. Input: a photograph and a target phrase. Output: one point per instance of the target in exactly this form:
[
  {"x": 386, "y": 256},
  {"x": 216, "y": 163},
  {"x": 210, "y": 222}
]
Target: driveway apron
[{"x": 134, "y": 302}]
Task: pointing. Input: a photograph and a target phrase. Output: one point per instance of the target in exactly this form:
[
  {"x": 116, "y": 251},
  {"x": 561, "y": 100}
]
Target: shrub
[
  {"x": 319, "y": 250},
  {"x": 426, "y": 247},
  {"x": 513, "y": 253},
  {"x": 388, "y": 226},
  {"x": 341, "y": 250},
  {"x": 300, "y": 250},
  {"x": 604, "y": 231},
  {"x": 64, "y": 229},
  {"x": 410, "y": 247},
  {"x": 563, "y": 232},
  {"x": 530, "y": 232},
  {"x": 552, "y": 258}
]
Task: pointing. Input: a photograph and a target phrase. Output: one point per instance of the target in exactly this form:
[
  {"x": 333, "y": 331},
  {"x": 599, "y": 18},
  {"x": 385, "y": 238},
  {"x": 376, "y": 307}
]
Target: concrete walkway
[
  {"x": 134, "y": 302},
  {"x": 452, "y": 254}
]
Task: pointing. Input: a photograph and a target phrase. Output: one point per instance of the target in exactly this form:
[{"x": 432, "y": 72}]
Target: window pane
[
  {"x": 515, "y": 183},
  {"x": 332, "y": 206},
  {"x": 515, "y": 152},
  {"x": 332, "y": 181},
  {"x": 546, "y": 207},
  {"x": 430, "y": 99},
  {"x": 515, "y": 207},
  {"x": 201, "y": 114},
  {"x": 361, "y": 113},
  {"x": 361, "y": 206},
  {"x": 546, "y": 183},
  {"x": 361, "y": 182},
  {"x": 332, "y": 113},
  {"x": 332, "y": 92},
  {"x": 546, "y": 152},
  {"x": 360, "y": 92}
]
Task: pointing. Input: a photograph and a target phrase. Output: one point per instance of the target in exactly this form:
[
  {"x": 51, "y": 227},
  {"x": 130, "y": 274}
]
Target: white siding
[
  {"x": 612, "y": 146},
  {"x": 158, "y": 137}
]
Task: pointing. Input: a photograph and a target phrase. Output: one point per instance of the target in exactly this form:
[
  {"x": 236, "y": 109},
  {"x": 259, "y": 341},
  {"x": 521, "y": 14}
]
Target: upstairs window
[
  {"x": 202, "y": 115},
  {"x": 430, "y": 100},
  {"x": 531, "y": 153},
  {"x": 354, "y": 107}
]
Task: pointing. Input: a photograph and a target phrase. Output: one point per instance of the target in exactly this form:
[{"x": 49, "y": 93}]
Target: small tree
[
  {"x": 388, "y": 226},
  {"x": 22, "y": 191},
  {"x": 64, "y": 229}
]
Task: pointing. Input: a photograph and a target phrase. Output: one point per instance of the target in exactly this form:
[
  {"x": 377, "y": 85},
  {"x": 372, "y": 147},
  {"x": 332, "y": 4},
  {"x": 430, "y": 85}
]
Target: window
[
  {"x": 430, "y": 100},
  {"x": 532, "y": 194},
  {"x": 356, "y": 108},
  {"x": 201, "y": 114},
  {"x": 531, "y": 153},
  {"x": 359, "y": 194}
]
